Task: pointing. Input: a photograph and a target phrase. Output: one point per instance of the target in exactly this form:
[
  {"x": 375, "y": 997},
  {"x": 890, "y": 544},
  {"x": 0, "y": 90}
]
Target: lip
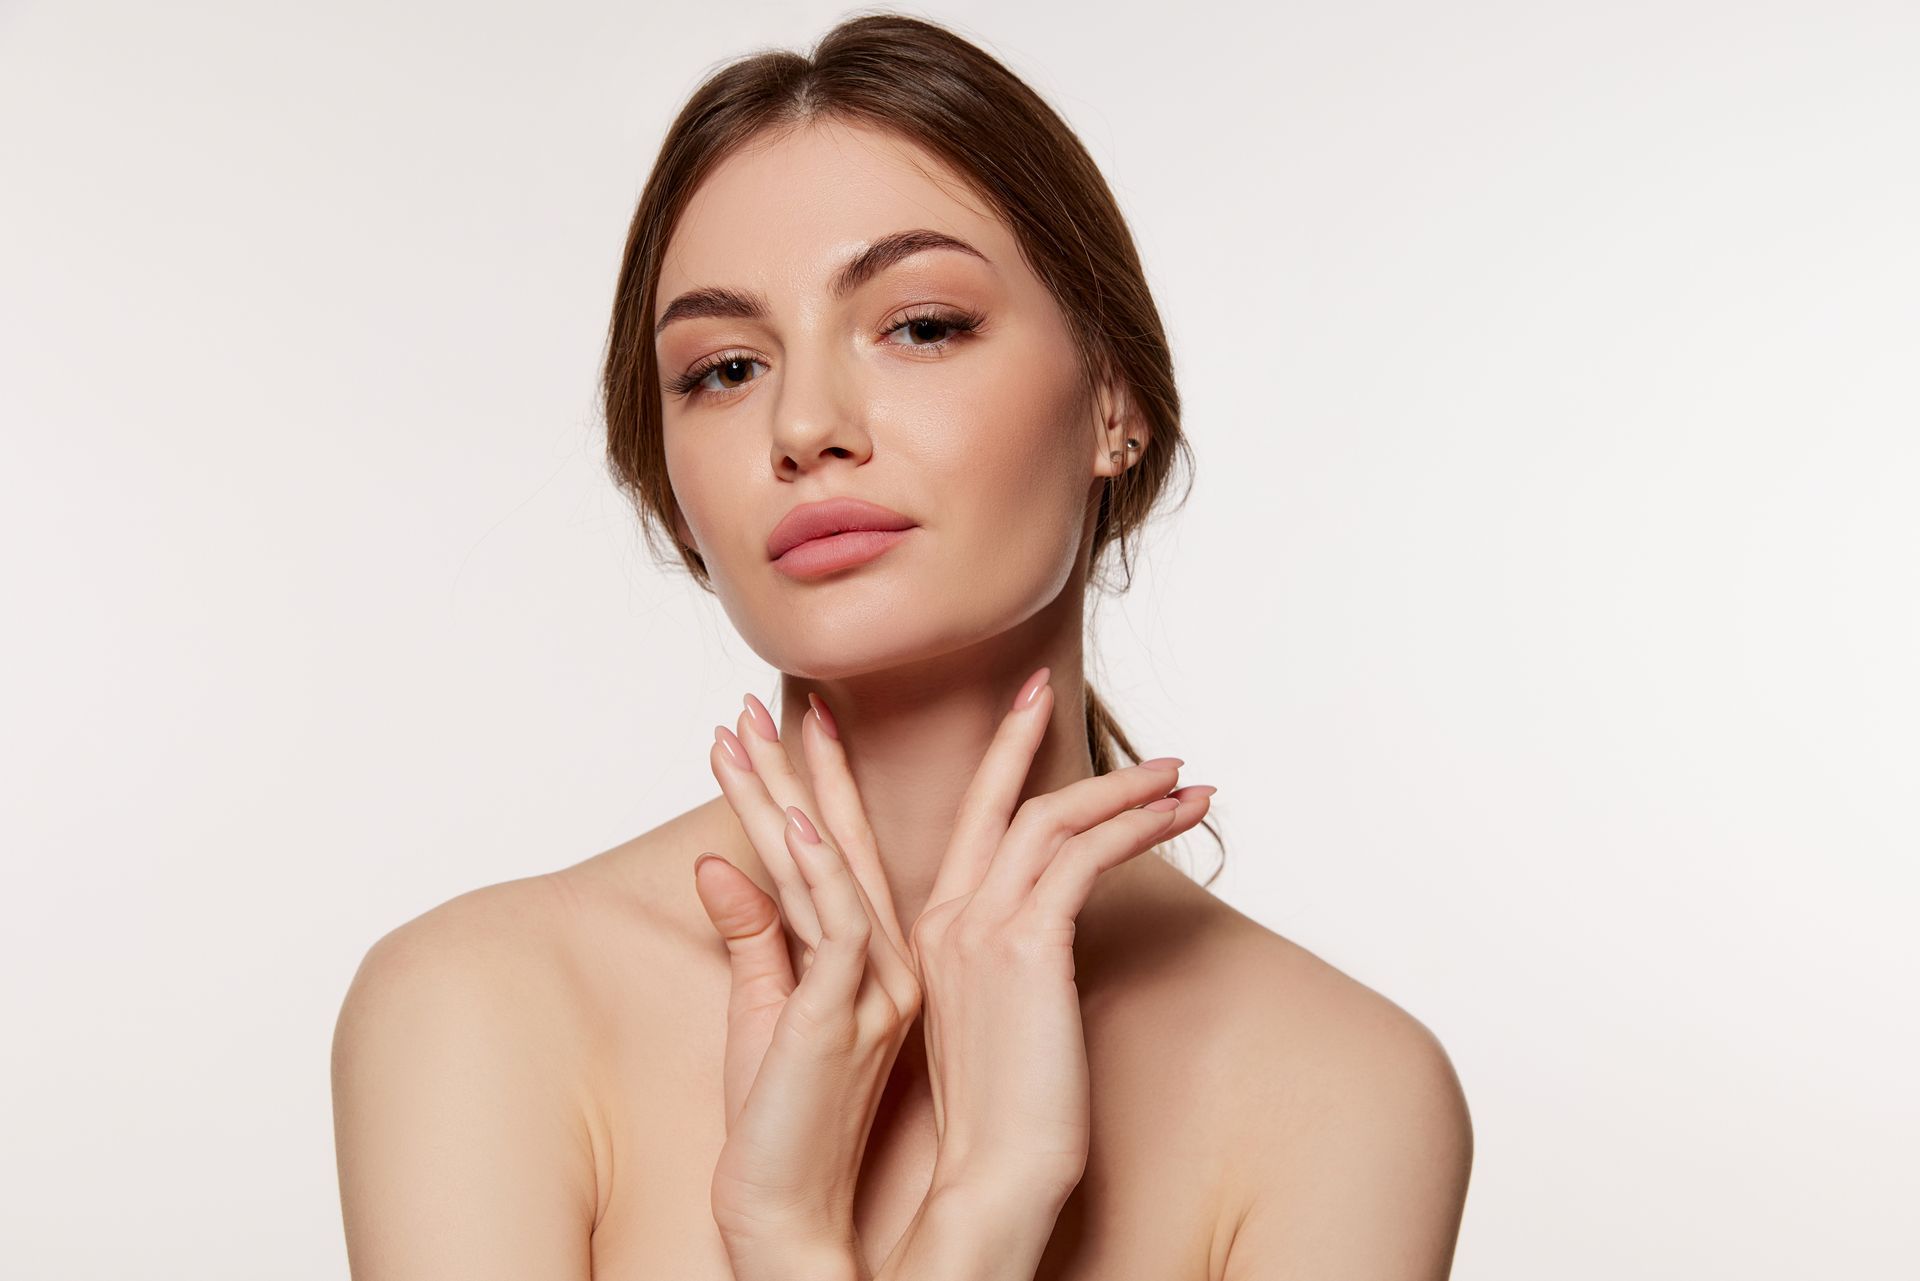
[
  {"x": 819, "y": 556},
  {"x": 824, "y": 520}
]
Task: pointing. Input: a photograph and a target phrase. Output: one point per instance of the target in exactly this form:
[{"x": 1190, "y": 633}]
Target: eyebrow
[{"x": 862, "y": 267}]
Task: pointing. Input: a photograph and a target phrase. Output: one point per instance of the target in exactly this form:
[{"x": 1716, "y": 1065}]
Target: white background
[{"x": 1545, "y": 608}]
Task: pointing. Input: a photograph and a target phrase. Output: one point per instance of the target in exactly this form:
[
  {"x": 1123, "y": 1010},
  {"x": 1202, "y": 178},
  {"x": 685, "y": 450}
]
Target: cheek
[
  {"x": 697, "y": 479},
  {"x": 1010, "y": 459},
  {"x": 704, "y": 462}
]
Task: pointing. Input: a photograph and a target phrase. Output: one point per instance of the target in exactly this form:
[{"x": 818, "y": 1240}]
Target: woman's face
[{"x": 943, "y": 385}]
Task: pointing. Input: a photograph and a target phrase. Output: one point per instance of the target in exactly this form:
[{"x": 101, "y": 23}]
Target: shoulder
[
  {"x": 469, "y": 1050},
  {"x": 462, "y": 954},
  {"x": 538, "y": 954},
  {"x": 1339, "y": 1038},
  {"x": 1358, "y": 1141},
  {"x": 461, "y": 1125},
  {"x": 485, "y": 979},
  {"x": 532, "y": 951}
]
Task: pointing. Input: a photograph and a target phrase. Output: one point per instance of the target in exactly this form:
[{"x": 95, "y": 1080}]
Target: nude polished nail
[
  {"x": 802, "y": 825},
  {"x": 824, "y": 716},
  {"x": 736, "y": 750},
  {"x": 1031, "y": 690},
  {"x": 762, "y": 719}
]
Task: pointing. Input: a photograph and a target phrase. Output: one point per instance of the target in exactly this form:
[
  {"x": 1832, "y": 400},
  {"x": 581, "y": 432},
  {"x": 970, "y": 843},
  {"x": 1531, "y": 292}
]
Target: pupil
[
  {"x": 733, "y": 366},
  {"x": 922, "y": 333}
]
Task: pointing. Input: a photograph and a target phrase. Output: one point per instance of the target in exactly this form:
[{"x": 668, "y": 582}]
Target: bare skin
[
  {"x": 528, "y": 1078},
  {"x": 1232, "y": 1070}
]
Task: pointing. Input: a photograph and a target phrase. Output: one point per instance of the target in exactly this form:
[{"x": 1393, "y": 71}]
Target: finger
[
  {"x": 846, "y": 930},
  {"x": 894, "y": 989},
  {"x": 1045, "y": 823},
  {"x": 749, "y": 924},
  {"x": 762, "y": 819},
  {"x": 845, "y": 816},
  {"x": 759, "y": 734},
  {"x": 762, "y": 975},
  {"x": 1064, "y": 887},
  {"x": 991, "y": 798}
]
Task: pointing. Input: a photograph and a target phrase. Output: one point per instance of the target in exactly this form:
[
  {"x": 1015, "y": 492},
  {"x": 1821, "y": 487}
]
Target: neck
[{"x": 915, "y": 735}]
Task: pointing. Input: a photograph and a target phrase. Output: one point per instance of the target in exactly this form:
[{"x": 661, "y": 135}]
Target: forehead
[{"x": 787, "y": 211}]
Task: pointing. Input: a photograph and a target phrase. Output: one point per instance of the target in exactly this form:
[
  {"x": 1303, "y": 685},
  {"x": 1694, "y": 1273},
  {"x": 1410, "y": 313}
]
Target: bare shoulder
[
  {"x": 1335, "y": 1035},
  {"x": 469, "y": 1109},
  {"x": 537, "y": 946},
  {"x": 1356, "y": 1140},
  {"x": 460, "y": 1123}
]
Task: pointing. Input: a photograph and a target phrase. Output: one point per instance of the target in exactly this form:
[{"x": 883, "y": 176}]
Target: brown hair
[{"x": 923, "y": 82}]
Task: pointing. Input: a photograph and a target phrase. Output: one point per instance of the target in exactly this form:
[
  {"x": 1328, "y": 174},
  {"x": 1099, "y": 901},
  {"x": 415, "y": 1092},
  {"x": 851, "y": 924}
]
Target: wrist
[
  {"x": 792, "y": 1259},
  {"x": 974, "y": 1232},
  {"x": 976, "y": 1191}
]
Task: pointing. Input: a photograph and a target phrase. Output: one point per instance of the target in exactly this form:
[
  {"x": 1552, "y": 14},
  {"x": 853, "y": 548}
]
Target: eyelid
[
  {"x": 964, "y": 324},
  {"x": 959, "y": 319},
  {"x": 687, "y": 385}
]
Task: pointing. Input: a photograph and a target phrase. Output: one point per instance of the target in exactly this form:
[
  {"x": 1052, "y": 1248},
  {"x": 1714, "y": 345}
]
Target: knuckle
[
  {"x": 899, "y": 1009},
  {"x": 832, "y": 1028},
  {"x": 973, "y": 942},
  {"x": 929, "y": 930},
  {"x": 1041, "y": 811}
]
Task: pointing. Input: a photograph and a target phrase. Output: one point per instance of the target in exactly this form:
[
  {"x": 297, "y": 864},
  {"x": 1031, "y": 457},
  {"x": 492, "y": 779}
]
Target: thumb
[{"x": 748, "y": 921}]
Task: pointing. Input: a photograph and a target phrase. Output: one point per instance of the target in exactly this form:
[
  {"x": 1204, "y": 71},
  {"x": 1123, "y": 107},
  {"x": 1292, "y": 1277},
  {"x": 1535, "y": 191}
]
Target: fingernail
[
  {"x": 825, "y": 717},
  {"x": 736, "y": 750},
  {"x": 1031, "y": 690},
  {"x": 703, "y": 858},
  {"x": 762, "y": 719},
  {"x": 1164, "y": 804},
  {"x": 1163, "y": 762},
  {"x": 802, "y": 825},
  {"x": 1198, "y": 790}
]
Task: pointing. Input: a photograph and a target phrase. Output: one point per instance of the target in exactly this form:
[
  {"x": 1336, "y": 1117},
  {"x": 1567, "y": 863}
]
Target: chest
[{"x": 1148, "y": 1209}]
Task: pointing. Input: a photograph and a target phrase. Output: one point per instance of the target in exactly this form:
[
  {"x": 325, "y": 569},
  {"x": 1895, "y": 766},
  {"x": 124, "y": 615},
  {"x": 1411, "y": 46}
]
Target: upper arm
[
  {"x": 462, "y": 1148},
  {"x": 1365, "y": 1162}
]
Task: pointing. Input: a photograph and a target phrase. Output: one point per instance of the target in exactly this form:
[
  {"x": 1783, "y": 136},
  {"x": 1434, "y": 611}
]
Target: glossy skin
[{"x": 529, "y": 1078}]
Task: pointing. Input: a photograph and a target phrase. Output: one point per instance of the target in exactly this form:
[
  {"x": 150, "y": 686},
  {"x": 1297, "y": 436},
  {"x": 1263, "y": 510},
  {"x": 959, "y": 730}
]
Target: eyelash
[{"x": 960, "y": 322}]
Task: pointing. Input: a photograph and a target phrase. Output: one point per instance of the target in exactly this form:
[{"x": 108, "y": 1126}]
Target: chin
[{"x": 844, "y": 639}]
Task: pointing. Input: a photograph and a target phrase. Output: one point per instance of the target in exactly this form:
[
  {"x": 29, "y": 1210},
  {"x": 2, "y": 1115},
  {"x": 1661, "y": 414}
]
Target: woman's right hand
[{"x": 806, "y": 1063}]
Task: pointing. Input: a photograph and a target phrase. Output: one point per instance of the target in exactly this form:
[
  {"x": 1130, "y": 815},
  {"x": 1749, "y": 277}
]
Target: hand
[
  {"x": 994, "y": 954},
  {"x": 805, "y": 1062}
]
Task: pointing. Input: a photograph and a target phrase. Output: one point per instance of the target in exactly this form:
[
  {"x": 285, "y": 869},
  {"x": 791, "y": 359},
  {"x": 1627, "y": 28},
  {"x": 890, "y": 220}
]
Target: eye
[
  {"x": 932, "y": 329},
  {"x": 935, "y": 328},
  {"x": 730, "y": 366}
]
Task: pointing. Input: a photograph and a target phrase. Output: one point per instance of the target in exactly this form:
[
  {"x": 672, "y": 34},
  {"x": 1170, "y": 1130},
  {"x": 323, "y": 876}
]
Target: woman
[{"x": 884, "y": 364}]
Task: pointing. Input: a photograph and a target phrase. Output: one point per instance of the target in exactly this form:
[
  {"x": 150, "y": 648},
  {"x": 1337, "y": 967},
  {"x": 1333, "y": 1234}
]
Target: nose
[{"x": 819, "y": 414}]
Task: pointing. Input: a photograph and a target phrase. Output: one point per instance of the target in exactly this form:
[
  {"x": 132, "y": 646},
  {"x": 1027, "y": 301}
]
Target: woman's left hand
[{"x": 806, "y": 1063}]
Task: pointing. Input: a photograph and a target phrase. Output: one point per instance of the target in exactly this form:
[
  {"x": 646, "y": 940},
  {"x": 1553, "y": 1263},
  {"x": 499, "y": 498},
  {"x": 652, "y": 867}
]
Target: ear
[{"x": 1116, "y": 423}]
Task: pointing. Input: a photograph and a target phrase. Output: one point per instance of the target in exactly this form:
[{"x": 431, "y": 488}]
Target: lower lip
[{"x": 819, "y": 556}]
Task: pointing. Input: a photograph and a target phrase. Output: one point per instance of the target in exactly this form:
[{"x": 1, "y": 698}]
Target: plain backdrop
[{"x": 1545, "y": 607}]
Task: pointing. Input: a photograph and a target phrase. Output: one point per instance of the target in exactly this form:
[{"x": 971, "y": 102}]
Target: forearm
[{"x": 967, "y": 1234}]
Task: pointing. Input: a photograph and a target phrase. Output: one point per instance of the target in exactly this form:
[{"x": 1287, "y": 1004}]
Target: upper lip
[{"x": 833, "y": 516}]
